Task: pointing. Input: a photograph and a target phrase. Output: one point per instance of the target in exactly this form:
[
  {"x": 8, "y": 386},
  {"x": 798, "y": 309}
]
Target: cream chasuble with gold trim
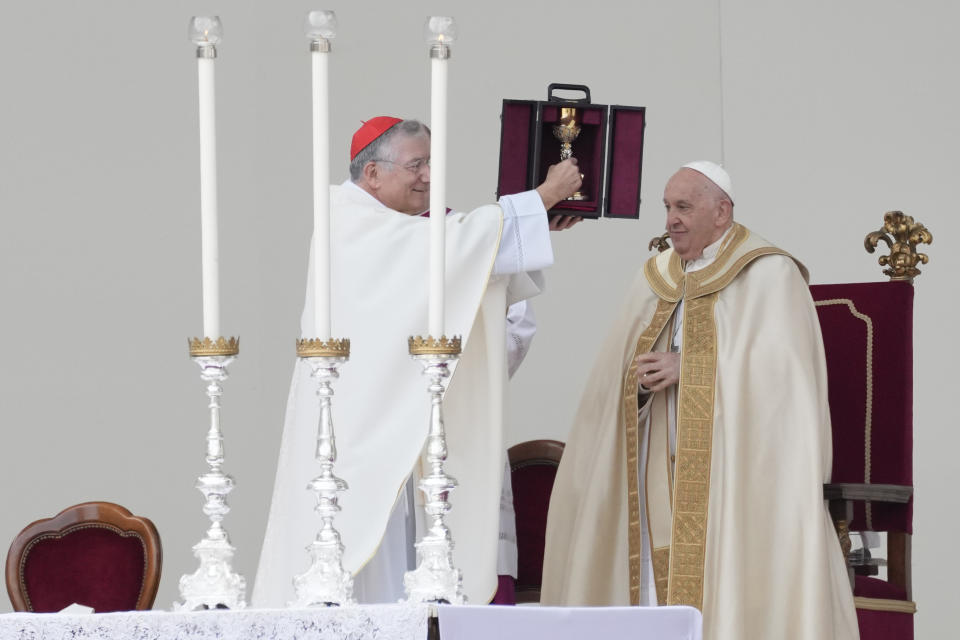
[
  {"x": 381, "y": 407},
  {"x": 738, "y": 524}
]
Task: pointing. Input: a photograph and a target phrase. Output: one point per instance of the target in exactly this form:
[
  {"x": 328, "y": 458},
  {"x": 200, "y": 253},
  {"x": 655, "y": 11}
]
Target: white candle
[
  {"x": 440, "y": 31},
  {"x": 320, "y": 27},
  {"x": 438, "y": 196},
  {"x": 321, "y": 196},
  {"x": 205, "y": 32}
]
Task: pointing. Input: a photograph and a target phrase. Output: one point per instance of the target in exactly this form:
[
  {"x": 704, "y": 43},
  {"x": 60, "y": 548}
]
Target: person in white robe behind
[{"x": 380, "y": 412}]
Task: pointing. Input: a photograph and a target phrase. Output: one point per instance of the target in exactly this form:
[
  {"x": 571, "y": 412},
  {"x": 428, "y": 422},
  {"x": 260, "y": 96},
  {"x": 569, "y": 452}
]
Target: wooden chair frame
[
  {"x": 841, "y": 497},
  {"x": 534, "y": 452},
  {"x": 102, "y": 514}
]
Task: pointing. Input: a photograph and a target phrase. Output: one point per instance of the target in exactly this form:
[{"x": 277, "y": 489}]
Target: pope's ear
[{"x": 726, "y": 213}]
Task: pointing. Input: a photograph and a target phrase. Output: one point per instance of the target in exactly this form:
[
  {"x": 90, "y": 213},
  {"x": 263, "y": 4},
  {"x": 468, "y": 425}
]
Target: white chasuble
[
  {"x": 381, "y": 406},
  {"x": 738, "y": 524}
]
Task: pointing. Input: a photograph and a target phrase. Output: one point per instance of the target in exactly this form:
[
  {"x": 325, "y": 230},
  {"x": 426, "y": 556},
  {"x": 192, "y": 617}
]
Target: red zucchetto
[{"x": 370, "y": 131}]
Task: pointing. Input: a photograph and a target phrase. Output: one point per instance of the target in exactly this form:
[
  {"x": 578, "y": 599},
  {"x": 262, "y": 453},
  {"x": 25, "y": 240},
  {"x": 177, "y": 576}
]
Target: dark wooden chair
[
  {"x": 533, "y": 467},
  {"x": 96, "y": 554},
  {"x": 868, "y": 338}
]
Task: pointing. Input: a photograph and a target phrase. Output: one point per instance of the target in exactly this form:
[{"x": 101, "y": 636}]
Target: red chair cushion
[
  {"x": 93, "y": 565},
  {"x": 888, "y": 311},
  {"x": 506, "y": 591},
  {"x": 867, "y": 587},
  {"x": 884, "y": 625},
  {"x": 532, "y": 485}
]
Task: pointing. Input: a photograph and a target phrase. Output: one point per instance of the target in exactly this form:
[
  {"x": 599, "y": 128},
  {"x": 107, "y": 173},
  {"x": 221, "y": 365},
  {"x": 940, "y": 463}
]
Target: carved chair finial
[
  {"x": 662, "y": 243},
  {"x": 901, "y": 235}
]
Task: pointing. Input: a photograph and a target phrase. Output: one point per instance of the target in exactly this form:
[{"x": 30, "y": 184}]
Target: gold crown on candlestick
[
  {"x": 208, "y": 347},
  {"x": 420, "y": 346},
  {"x": 315, "y": 347}
]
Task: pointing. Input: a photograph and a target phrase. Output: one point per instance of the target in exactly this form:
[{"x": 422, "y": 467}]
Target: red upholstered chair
[
  {"x": 533, "y": 467},
  {"x": 97, "y": 554},
  {"x": 868, "y": 338}
]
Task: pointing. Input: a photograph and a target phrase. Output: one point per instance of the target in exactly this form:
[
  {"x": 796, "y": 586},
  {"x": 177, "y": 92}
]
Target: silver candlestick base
[
  {"x": 326, "y": 582},
  {"x": 214, "y": 585},
  {"x": 435, "y": 579}
]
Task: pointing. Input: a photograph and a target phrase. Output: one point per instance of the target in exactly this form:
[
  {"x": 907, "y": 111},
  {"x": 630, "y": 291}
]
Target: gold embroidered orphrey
[
  {"x": 698, "y": 376},
  {"x": 631, "y": 384},
  {"x": 678, "y": 568}
]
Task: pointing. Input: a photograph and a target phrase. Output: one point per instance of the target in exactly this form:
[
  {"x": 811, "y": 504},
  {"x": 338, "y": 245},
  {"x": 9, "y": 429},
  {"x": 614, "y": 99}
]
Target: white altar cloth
[
  {"x": 373, "y": 622},
  {"x": 569, "y": 623}
]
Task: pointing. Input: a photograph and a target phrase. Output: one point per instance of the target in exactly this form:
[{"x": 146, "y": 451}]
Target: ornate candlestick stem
[
  {"x": 435, "y": 579},
  {"x": 325, "y": 583},
  {"x": 214, "y": 585}
]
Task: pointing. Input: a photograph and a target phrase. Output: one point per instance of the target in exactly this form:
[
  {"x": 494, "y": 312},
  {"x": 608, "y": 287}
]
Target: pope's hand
[
  {"x": 658, "y": 370},
  {"x": 562, "y": 181}
]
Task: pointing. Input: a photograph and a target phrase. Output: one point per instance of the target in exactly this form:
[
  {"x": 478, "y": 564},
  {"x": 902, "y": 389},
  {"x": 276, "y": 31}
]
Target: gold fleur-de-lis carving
[
  {"x": 661, "y": 243},
  {"x": 901, "y": 235}
]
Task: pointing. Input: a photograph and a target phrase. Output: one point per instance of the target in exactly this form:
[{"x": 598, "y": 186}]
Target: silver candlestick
[
  {"x": 214, "y": 585},
  {"x": 435, "y": 579},
  {"x": 325, "y": 583}
]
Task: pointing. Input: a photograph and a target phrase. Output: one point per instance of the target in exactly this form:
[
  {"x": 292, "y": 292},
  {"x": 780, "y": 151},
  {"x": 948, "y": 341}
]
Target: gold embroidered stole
[
  {"x": 631, "y": 385},
  {"x": 695, "y": 400},
  {"x": 678, "y": 565}
]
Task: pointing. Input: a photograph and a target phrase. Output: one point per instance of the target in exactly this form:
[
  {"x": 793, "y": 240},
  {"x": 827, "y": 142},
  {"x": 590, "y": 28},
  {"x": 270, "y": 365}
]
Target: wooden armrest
[
  {"x": 841, "y": 497},
  {"x": 895, "y": 493}
]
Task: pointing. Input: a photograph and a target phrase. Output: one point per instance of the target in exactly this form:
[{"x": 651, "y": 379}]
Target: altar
[{"x": 364, "y": 622}]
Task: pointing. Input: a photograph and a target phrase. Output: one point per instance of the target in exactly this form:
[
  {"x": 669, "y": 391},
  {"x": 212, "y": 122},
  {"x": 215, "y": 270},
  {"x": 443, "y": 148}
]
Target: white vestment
[
  {"x": 521, "y": 327},
  {"x": 381, "y": 408},
  {"x": 738, "y": 523}
]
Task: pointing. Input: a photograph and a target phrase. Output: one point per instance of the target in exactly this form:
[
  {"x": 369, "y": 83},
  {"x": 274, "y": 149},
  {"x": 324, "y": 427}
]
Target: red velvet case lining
[
  {"x": 588, "y": 149},
  {"x": 528, "y": 149},
  {"x": 623, "y": 183},
  {"x": 515, "y": 147}
]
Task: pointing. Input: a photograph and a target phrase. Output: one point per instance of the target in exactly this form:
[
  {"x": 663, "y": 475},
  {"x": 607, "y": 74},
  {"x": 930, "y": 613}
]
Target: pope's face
[
  {"x": 695, "y": 216},
  {"x": 405, "y": 181}
]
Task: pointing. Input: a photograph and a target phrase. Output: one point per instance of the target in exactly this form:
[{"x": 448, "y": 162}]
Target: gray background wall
[{"x": 827, "y": 114}]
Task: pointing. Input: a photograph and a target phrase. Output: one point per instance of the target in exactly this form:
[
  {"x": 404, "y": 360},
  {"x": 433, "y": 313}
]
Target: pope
[{"x": 694, "y": 471}]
